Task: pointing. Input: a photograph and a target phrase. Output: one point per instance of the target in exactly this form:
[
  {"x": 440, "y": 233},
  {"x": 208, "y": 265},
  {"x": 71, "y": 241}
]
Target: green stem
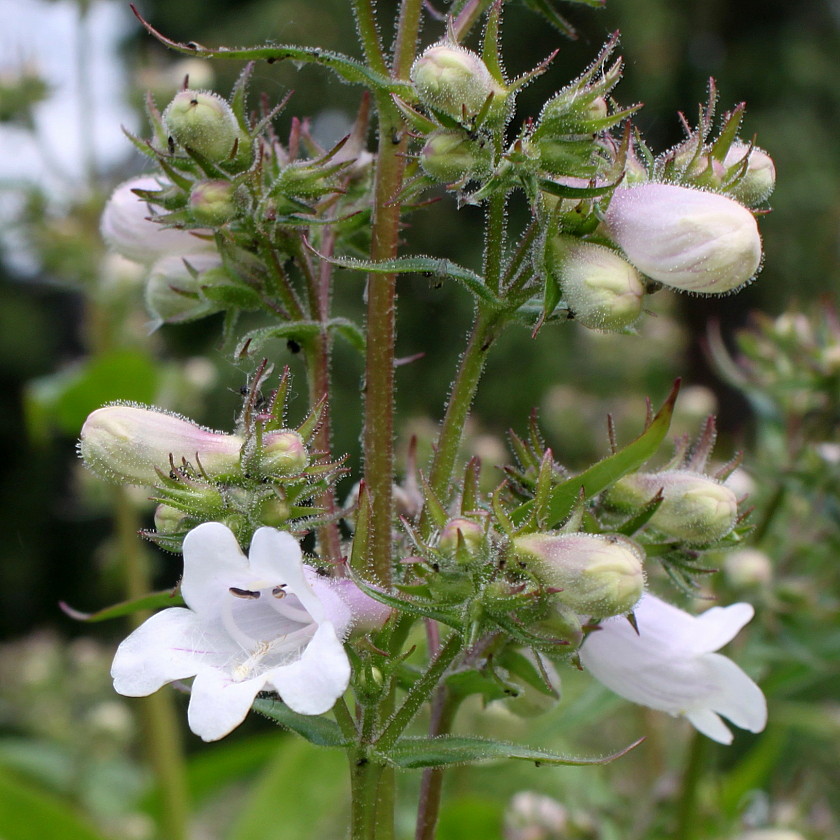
[
  {"x": 687, "y": 807},
  {"x": 495, "y": 227},
  {"x": 345, "y": 720},
  {"x": 369, "y": 36},
  {"x": 408, "y": 30},
  {"x": 280, "y": 287},
  {"x": 420, "y": 691},
  {"x": 365, "y": 776},
  {"x": 471, "y": 367},
  {"x": 160, "y": 723},
  {"x": 465, "y": 21}
]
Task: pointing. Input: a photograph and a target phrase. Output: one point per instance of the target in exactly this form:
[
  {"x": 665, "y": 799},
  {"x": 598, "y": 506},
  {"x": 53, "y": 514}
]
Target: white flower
[
  {"x": 671, "y": 665},
  {"x": 127, "y": 227},
  {"x": 266, "y": 622},
  {"x": 685, "y": 238}
]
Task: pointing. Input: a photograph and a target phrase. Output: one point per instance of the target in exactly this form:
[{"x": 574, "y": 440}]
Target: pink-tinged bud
[
  {"x": 212, "y": 202},
  {"x": 685, "y": 238},
  {"x": 748, "y": 568},
  {"x": 603, "y": 291},
  {"x": 204, "y": 122},
  {"x": 125, "y": 443},
  {"x": 173, "y": 288},
  {"x": 453, "y": 80},
  {"x": 450, "y": 155},
  {"x": 369, "y": 615},
  {"x": 126, "y": 227},
  {"x": 471, "y": 536},
  {"x": 695, "y": 508},
  {"x": 599, "y": 575},
  {"x": 759, "y": 180},
  {"x": 532, "y": 816},
  {"x": 283, "y": 453}
]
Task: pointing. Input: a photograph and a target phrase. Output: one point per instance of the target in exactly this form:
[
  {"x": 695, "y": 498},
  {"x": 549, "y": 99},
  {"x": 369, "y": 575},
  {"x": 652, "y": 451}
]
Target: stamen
[
  {"x": 279, "y": 591},
  {"x": 244, "y": 593}
]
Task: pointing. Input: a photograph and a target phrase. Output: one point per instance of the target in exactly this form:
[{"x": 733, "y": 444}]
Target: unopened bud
[
  {"x": 283, "y": 453},
  {"x": 173, "y": 289},
  {"x": 694, "y": 508},
  {"x": 453, "y": 80},
  {"x": 369, "y": 615},
  {"x": 212, "y": 202},
  {"x": 603, "y": 291},
  {"x": 204, "y": 122},
  {"x": 126, "y": 443},
  {"x": 274, "y": 510},
  {"x": 127, "y": 226},
  {"x": 170, "y": 520},
  {"x": 461, "y": 531},
  {"x": 451, "y": 155},
  {"x": 748, "y": 568},
  {"x": 596, "y": 574},
  {"x": 771, "y": 834},
  {"x": 685, "y": 238},
  {"x": 758, "y": 181}
]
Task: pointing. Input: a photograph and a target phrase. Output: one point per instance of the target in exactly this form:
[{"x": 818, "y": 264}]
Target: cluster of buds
[{"x": 263, "y": 474}]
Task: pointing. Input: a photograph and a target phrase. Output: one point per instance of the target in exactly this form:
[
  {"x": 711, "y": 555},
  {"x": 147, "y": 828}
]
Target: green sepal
[
  {"x": 343, "y": 66},
  {"x": 416, "y": 752},
  {"x": 564, "y": 191},
  {"x": 639, "y": 520},
  {"x": 606, "y": 472},
  {"x": 231, "y": 295},
  {"x": 545, "y": 10},
  {"x": 152, "y": 601},
  {"x": 317, "y": 729}
]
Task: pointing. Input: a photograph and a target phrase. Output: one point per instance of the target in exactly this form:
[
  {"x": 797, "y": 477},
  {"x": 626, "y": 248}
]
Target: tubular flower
[
  {"x": 684, "y": 238},
  {"x": 671, "y": 665},
  {"x": 127, "y": 226},
  {"x": 259, "y": 623}
]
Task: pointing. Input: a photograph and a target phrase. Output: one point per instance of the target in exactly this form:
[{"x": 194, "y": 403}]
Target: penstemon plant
[{"x": 498, "y": 589}]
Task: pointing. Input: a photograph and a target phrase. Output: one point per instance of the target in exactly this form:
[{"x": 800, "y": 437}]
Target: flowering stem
[
  {"x": 420, "y": 691},
  {"x": 495, "y": 227},
  {"x": 484, "y": 331},
  {"x": 687, "y": 808},
  {"x": 368, "y": 35}
]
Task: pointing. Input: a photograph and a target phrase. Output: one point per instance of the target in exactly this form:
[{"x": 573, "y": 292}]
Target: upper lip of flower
[{"x": 252, "y": 623}]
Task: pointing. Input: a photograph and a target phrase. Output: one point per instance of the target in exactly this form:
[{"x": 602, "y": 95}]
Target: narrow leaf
[
  {"x": 152, "y": 601},
  {"x": 318, "y": 730},
  {"x": 417, "y": 752}
]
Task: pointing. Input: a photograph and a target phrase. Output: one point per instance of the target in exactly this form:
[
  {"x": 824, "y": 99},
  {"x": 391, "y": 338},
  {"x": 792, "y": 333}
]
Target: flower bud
[
  {"x": 471, "y": 536},
  {"x": 369, "y": 615},
  {"x": 283, "y": 453},
  {"x": 173, "y": 291},
  {"x": 204, "y": 122},
  {"x": 758, "y": 181},
  {"x": 561, "y": 623},
  {"x": 695, "y": 508},
  {"x": 771, "y": 834},
  {"x": 748, "y": 568},
  {"x": 685, "y": 238},
  {"x": 170, "y": 520},
  {"x": 603, "y": 291},
  {"x": 598, "y": 575},
  {"x": 127, "y": 228},
  {"x": 274, "y": 511},
  {"x": 453, "y": 80},
  {"x": 125, "y": 443},
  {"x": 451, "y": 155},
  {"x": 212, "y": 202}
]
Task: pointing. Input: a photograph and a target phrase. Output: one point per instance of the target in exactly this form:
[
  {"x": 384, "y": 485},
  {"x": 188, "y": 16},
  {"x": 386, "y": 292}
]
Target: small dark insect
[
  {"x": 293, "y": 346},
  {"x": 244, "y": 593}
]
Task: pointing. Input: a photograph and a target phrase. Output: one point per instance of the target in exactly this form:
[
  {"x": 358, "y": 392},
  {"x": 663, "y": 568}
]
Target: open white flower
[
  {"x": 253, "y": 624},
  {"x": 671, "y": 665}
]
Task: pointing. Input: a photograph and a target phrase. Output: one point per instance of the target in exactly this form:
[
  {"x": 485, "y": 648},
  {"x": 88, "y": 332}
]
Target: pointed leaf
[
  {"x": 315, "y": 728},
  {"x": 152, "y": 601},
  {"x": 606, "y": 472},
  {"x": 417, "y": 752}
]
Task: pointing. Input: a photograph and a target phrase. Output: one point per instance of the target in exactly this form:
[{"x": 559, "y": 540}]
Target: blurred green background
[{"x": 782, "y": 58}]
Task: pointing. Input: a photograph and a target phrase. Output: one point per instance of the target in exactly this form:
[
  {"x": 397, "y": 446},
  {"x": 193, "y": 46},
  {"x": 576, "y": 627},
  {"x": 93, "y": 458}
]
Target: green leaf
[
  {"x": 27, "y": 813},
  {"x": 253, "y": 341},
  {"x": 152, "y": 601},
  {"x": 231, "y": 295},
  {"x": 318, "y": 730},
  {"x": 415, "y": 752},
  {"x": 346, "y": 68},
  {"x": 350, "y": 332},
  {"x": 428, "y": 266},
  {"x": 300, "y": 795},
  {"x": 606, "y": 472},
  {"x": 63, "y": 400},
  {"x": 545, "y": 10}
]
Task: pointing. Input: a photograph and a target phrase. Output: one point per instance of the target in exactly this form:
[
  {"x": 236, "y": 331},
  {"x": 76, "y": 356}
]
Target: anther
[{"x": 244, "y": 593}]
